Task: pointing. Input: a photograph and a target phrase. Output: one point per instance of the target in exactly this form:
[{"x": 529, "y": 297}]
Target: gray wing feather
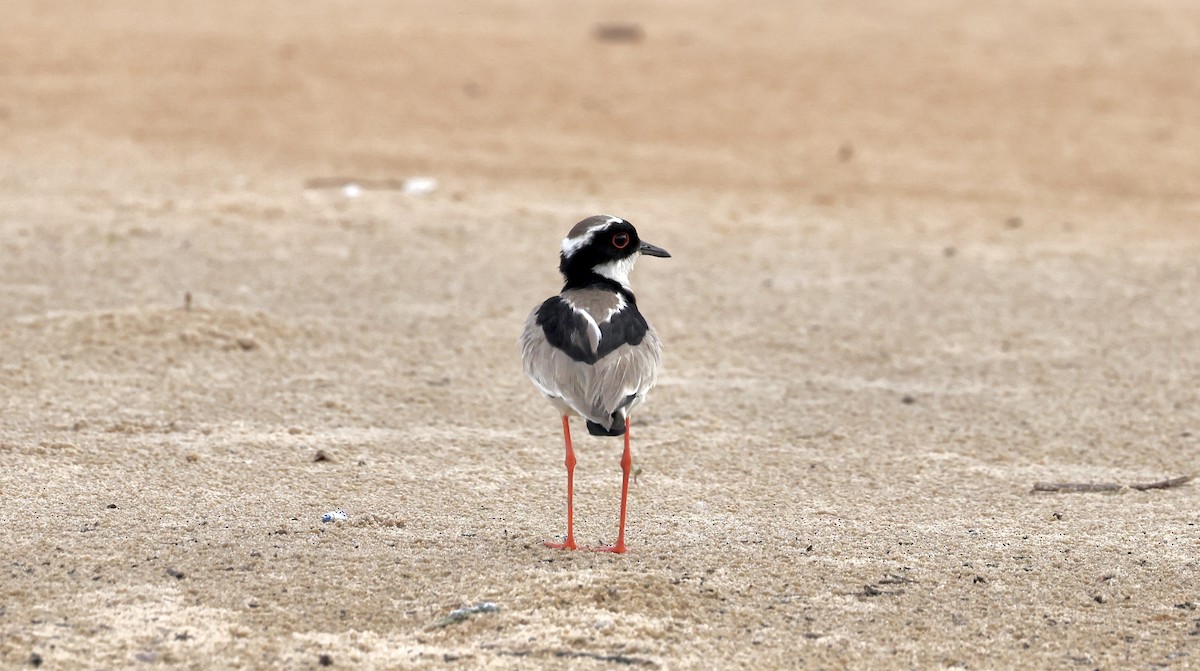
[
  {"x": 627, "y": 371},
  {"x": 594, "y": 391}
]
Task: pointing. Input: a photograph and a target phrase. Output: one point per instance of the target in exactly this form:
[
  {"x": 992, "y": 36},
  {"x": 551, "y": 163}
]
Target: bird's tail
[{"x": 617, "y": 428}]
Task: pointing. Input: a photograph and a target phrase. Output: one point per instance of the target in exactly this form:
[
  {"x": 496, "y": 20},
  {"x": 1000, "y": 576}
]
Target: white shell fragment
[
  {"x": 460, "y": 614},
  {"x": 338, "y": 515},
  {"x": 419, "y": 186}
]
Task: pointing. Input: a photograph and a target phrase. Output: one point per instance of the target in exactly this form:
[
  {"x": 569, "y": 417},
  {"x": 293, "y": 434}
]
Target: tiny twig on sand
[
  {"x": 616, "y": 659},
  {"x": 1163, "y": 484},
  {"x": 1075, "y": 487}
]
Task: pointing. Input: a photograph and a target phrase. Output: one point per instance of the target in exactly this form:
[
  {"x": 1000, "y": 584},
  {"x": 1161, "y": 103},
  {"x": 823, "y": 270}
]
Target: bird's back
[{"x": 589, "y": 349}]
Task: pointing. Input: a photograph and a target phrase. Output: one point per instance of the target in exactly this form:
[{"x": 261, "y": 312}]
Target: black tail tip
[{"x": 617, "y": 429}]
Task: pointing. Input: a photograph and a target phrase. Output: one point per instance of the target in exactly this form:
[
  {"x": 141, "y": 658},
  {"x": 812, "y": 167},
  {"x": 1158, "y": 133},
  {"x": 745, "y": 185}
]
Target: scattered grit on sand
[{"x": 926, "y": 255}]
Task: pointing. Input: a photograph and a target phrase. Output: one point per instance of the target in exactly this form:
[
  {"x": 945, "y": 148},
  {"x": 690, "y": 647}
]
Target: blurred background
[
  {"x": 944, "y": 99},
  {"x": 925, "y": 254}
]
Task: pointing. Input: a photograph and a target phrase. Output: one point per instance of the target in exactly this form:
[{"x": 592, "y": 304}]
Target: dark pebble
[{"x": 618, "y": 32}]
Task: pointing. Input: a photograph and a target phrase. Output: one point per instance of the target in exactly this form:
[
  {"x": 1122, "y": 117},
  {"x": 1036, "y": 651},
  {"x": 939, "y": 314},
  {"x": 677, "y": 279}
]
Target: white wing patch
[
  {"x": 593, "y": 327},
  {"x": 619, "y": 306}
]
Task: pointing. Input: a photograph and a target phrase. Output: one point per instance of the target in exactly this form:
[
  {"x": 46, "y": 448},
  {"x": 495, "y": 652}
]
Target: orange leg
[
  {"x": 626, "y": 464},
  {"x": 570, "y": 542}
]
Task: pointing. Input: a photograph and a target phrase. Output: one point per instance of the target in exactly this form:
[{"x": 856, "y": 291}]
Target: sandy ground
[{"x": 926, "y": 254}]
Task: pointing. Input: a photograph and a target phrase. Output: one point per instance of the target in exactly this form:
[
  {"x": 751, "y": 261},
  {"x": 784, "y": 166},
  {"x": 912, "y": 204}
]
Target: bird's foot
[
  {"x": 569, "y": 544},
  {"x": 618, "y": 549}
]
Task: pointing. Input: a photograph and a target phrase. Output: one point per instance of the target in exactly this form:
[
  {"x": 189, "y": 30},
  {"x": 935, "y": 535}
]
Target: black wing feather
[
  {"x": 567, "y": 330},
  {"x": 626, "y": 327}
]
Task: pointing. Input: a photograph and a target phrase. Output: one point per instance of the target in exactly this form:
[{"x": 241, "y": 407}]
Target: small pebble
[{"x": 618, "y": 32}]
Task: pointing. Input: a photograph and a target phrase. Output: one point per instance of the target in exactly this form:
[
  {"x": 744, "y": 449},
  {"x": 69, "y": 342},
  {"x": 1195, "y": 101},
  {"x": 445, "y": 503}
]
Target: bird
[{"x": 589, "y": 350}]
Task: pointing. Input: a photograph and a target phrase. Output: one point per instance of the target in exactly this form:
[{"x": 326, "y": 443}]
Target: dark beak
[{"x": 651, "y": 250}]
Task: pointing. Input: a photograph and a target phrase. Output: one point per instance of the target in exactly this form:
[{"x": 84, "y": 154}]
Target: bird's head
[{"x": 605, "y": 246}]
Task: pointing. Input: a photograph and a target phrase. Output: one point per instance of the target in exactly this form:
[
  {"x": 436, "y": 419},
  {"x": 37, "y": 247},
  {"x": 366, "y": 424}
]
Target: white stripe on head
[{"x": 571, "y": 245}]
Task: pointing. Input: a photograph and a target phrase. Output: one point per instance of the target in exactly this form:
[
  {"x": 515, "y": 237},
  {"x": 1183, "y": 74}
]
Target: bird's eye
[{"x": 621, "y": 240}]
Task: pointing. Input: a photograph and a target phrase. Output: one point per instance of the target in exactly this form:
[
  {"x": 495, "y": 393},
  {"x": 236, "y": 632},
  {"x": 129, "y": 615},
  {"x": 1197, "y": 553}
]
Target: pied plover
[{"x": 589, "y": 350}]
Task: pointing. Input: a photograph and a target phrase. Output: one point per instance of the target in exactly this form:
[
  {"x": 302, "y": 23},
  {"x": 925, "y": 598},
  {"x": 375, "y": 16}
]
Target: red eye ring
[{"x": 621, "y": 240}]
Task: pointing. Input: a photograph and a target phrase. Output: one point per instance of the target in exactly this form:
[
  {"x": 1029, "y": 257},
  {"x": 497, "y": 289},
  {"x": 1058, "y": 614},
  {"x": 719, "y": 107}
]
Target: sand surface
[{"x": 926, "y": 254}]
